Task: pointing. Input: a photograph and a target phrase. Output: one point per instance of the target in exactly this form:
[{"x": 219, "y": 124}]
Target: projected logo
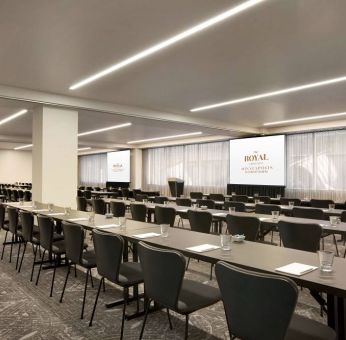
[
  {"x": 256, "y": 163},
  {"x": 117, "y": 167}
]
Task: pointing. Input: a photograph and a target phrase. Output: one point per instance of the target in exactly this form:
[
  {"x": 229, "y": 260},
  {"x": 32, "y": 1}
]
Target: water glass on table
[
  {"x": 164, "y": 230},
  {"x": 291, "y": 204},
  {"x": 231, "y": 210},
  {"x": 331, "y": 206},
  {"x": 275, "y": 215},
  {"x": 225, "y": 240},
  {"x": 326, "y": 260}
]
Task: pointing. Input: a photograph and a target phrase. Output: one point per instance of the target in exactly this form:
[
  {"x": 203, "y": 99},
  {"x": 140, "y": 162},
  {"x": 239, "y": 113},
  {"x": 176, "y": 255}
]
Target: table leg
[{"x": 336, "y": 315}]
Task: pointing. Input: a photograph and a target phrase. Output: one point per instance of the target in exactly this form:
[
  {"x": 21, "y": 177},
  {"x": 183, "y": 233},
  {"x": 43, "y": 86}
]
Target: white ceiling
[{"x": 48, "y": 45}]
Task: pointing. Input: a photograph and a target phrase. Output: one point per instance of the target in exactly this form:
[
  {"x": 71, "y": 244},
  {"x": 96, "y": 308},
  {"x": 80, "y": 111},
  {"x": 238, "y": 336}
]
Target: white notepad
[
  {"x": 108, "y": 226},
  {"x": 219, "y": 214},
  {"x": 147, "y": 235},
  {"x": 25, "y": 206},
  {"x": 295, "y": 268},
  {"x": 203, "y": 247},
  {"x": 78, "y": 219},
  {"x": 40, "y": 210},
  {"x": 182, "y": 210},
  {"x": 262, "y": 219},
  {"x": 56, "y": 214}
]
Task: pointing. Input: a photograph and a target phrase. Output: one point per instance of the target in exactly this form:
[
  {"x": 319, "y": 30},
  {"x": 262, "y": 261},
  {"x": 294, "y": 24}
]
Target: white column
[
  {"x": 136, "y": 168},
  {"x": 54, "y": 156}
]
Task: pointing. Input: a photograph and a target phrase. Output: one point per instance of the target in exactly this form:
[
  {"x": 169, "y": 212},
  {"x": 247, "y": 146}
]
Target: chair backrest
[
  {"x": 200, "y": 221},
  {"x": 12, "y": 214},
  {"x": 301, "y": 236},
  {"x": 109, "y": 252},
  {"x": 27, "y": 220},
  {"x": 46, "y": 226},
  {"x": 74, "y": 241},
  {"x": 160, "y": 199},
  {"x": 80, "y": 193},
  {"x": 27, "y": 196},
  {"x": 266, "y": 208},
  {"x": 81, "y": 203},
  {"x": 138, "y": 212},
  {"x": 196, "y": 195},
  {"x": 2, "y": 216},
  {"x": 239, "y": 206},
  {"x": 163, "y": 272},
  {"x": 20, "y": 194},
  {"x": 141, "y": 197},
  {"x": 253, "y": 300},
  {"x": 165, "y": 215},
  {"x": 285, "y": 201},
  {"x": 87, "y": 194},
  {"x": 264, "y": 199},
  {"x": 15, "y": 195},
  {"x": 316, "y": 214},
  {"x": 240, "y": 198},
  {"x": 343, "y": 216},
  {"x": 315, "y": 203},
  {"x": 118, "y": 209},
  {"x": 210, "y": 204},
  {"x": 125, "y": 192},
  {"x": 217, "y": 197},
  {"x": 243, "y": 225},
  {"x": 99, "y": 206},
  {"x": 186, "y": 202}
]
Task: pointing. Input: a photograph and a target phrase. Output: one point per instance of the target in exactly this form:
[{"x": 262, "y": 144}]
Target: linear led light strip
[
  {"x": 23, "y": 147},
  {"x": 331, "y": 115},
  {"x": 84, "y": 149},
  {"x": 163, "y": 138},
  {"x": 271, "y": 94},
  {"x": 170, "y": 41},
  {"x": 104, "y": 129},
  {"x": 14, "y": 116}
]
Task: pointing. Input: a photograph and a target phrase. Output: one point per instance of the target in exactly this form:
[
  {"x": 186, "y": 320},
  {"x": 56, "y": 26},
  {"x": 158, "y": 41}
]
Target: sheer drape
[
  {"x": 204, "y": 167},
  {"x": 93, "y": 169},
  {"x": 316, "y": 165}
]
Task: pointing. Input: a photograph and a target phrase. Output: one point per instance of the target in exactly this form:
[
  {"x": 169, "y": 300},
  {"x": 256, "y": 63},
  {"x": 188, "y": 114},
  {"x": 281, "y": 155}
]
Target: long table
[{"x": 250, "y": 255}]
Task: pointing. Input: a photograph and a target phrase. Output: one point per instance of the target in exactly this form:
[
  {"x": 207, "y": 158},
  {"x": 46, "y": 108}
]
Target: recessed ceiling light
[
  {"x": 170, "y": 41},
  {"x": 271, "y": 94},
  {"x": 331, "y": 115},
  {"x": 104, "y": 129},
  {"x": 84, "y": 149},
  {"x": 23, "y": 147},
  {"x": 14, "y": 116},
  {"x": 166, "y": 137}
]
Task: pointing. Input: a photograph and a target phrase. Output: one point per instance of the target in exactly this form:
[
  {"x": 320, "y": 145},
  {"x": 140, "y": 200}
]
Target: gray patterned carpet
[{"x": 27, "y": 311}]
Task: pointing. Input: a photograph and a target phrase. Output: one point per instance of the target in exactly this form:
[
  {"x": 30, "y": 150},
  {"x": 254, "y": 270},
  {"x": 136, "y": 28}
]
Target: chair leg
[
  {"x": 104, "y": 285},
  {"x": 85, "y": 290},
  {"x": 169, "y": 319},
  {"x": 33, "y": 263},
  {"x": 53, "y": 278},
  {"x": 18, "y": 252},
  {"x": 186, "y": 326},
  {"x": 65, "y": 283},
  {"x": 336, "y": 245},
  {"x": 91, "y": 279},
  {"x": 211, "y": 271},
  {"x": 187, "y": 265},
  {"x": 3, "y": 245},
  {"x": 39, "y": 271},
  {"x": 21, "y": 261},
  {"x": 75, "y": 270},
  {"x": 12, "y": 240},
  {"x": 126, "y": 293},
  {"x": 147, "y": 306},
  {"x": 95, "y": 304}
]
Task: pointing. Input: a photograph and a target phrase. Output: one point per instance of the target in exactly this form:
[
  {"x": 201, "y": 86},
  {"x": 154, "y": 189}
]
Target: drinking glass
[
  {"x": 21, "y": 201},
  {"x": 333, "y": 220},
  {"x": 255, "y": 194},
  {"x": 326, "y": 260},
  {"x": 122, "y": 222},
  {"x": 225, "y": 240},
  {"x": 233, "y": 193},
  {"x": 291, "y": 204},
  {"x": 92, "y": 217},
  {"x": 275, "y": 215},
  {"x": 231, "y": 210},
  {"x": 331, "y": 206},
  {"x": 165, "y": 202},
  {"x": 278, "y": 196},
  {"x": 257, "y": 201},
  {"x": 145, "y": 200},
  {"x": 50, "y": 207},
  {"x": 67, "y": 210},
  {"x": 195, "y": 206},
  {"x": 164, "y": 230}
]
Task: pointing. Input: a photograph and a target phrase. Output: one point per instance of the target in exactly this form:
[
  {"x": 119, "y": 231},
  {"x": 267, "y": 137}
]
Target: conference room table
[{"x": 250, "y": 255}]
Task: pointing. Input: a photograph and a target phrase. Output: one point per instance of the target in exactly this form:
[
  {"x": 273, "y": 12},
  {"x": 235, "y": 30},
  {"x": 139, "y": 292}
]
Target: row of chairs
[{"x": 13, "y": 195}]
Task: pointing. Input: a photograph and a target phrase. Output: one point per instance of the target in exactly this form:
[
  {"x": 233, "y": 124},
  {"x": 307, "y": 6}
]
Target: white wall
[{"x": 15, "y": 166}]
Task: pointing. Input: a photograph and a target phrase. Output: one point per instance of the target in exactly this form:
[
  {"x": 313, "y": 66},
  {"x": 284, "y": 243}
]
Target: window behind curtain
[{"x": 93, "y": 169}]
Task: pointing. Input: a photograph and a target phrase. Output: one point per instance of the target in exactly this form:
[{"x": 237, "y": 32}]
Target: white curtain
[
  {"x": 93, "y": 169},
  {"x": 316, "y": 165},
  {"x": 203, "y": 167}
]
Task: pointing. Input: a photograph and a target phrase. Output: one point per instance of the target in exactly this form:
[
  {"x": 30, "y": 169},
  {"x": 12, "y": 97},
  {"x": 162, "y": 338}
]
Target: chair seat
[
  {"x": 302, "y": 328},
  {"x": 59, "y": 247},
  {"x": 89, "y": 259},
  {"x": 195, "y": 295},
  {"x": 130, "y": 273}
]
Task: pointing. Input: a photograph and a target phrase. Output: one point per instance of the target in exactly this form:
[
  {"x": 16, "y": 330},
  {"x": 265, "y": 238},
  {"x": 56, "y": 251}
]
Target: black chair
[
  {"x": 301, "y": 236},
  {"x": 185, "y": 202},
  {"x": 74, "y": 243},
  {"x": 266, "y": 208},
  {"x": 217, "y": 197},
  {"x": 99, "y": 206},
  {"x": 253, "y": 300},
  {"x": 200, "y": 221},
  {"x": 14, "y": 228},
  {"x": 263, "y": 199},
  {"x": 243, "y": 225},
  {"x": 20, "y": 194},
  {"x": 165, "y": 215},
  {"x": 118, "y": 209},
  {"x": 164, "y": 283},
  {"x": 138, "y": 212},
  {"x": 55, "y": 249},
  {"x": 160, "y": 199},
  {"x": 196, "y": 195},
  {"x": 109, "y": 251},
  {"x": 81, "y": 203},
  {"x": 15, "y": 196},
  {"x": 87, "y": 194},
  {"x": 141, "y": 197},
  {"x": 323, "y": 204},
  {"x": 210, "y": 204},
  {"x": 285, "y": 201},
  {"x": 27, "y": 196},
  {"x": 240, "y": 198},
  {"x": 239, "y": 206},
  {"x": 3, "y": 226},
  {"x": 125, "y": 192},
  {"x": 311, "y": 213}
]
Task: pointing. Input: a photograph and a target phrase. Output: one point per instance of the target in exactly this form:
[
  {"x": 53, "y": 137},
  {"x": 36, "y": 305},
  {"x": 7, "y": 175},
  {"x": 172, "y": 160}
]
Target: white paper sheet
[
  {"x": 295, "y": 268},
  {"x": 78, "y": 219},
  {"x": 108, "y": 226},
  {"x": 147, "y": 235},
  {"x": 203, "y": 247},
  {"x": 56, "y": 214}
]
